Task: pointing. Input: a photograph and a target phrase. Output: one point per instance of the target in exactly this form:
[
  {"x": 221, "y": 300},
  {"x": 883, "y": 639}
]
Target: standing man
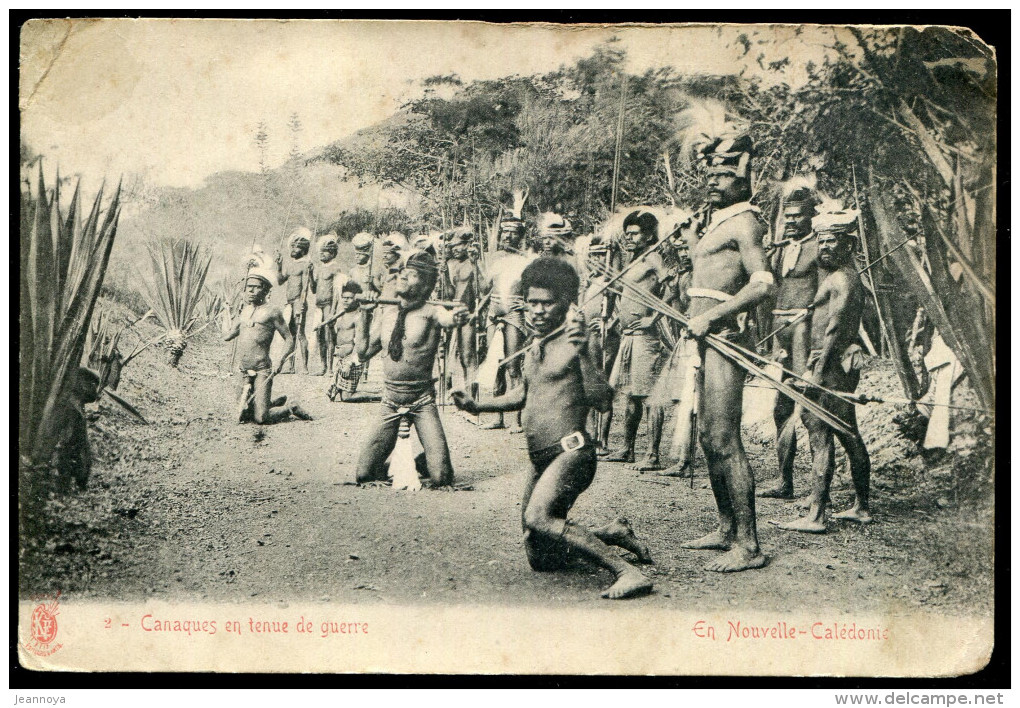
[
  {"x": 296, "y": 273},
  {"x": 555, "y": 238},
  {"x": 349, "y": 368},
  {"x": 256, "y": 324},
  {"x": 326, "y": 281},
  {"x": 562, "y": 380},
  {"x": 730, "y": 275},
  {"x": 393, "y": 248},
  {"x": 835, "y": 362},
  {"x": 361, "y": 271},
  {"x": 462, "y": 281},
  {"x": 506, "y": 307},
  {"x": 641, "y": 356},
  {"x": 795, "y": 263},
  {"x": 409, "y": 333}
]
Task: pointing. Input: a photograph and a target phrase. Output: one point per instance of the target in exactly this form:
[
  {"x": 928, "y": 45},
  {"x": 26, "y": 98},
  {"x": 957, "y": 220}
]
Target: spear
[
  {"x": 596, "y": 293},
  {"x": 739, "y": 356}
]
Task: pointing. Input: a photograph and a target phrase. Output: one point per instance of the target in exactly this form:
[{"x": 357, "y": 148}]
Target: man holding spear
[
  {"x": 730, "y": 276},
  {"x": 798, "y": 281},
  {"x": 410, "y": 334},
  {"x": 295, "y": 272},
  {"x": 834, "y": 363},
  {"x": 641, "y": 356},
  {"x": 506, "y": 306}
]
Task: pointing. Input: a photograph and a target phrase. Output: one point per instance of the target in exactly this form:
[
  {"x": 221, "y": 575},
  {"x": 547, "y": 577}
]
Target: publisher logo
[{"x": 42, "y": 628}]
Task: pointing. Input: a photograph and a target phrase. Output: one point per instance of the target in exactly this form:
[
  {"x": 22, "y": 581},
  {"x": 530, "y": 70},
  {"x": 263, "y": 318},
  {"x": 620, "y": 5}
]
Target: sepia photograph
[{"x": 461, "y": 347}]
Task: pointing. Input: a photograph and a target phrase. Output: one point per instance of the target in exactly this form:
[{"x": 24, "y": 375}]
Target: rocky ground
[{"x": 193, "y": 506}]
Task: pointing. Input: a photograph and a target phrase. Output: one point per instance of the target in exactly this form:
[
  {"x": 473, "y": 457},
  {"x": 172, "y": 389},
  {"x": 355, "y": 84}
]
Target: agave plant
[
  {"x": 103, "y": 348},
  {"x": 179, "y": 269},
  {"x": 63, "y": 262}
]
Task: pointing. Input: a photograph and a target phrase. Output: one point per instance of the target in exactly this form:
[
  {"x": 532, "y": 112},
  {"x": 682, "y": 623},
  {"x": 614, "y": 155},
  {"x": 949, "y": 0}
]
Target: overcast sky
[{"x": 180, "y": 100}]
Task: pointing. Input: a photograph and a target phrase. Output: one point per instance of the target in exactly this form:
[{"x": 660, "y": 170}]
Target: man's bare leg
[
  {"x": 860, "y": 472},
  {"x": 720, "y": 412},
  {"x": 371, "y": 462},
  {"x": 631, "y": 424},
  {"x": 545, "y": 516},
  {"x": 433, "y": 440},
  {"x": 823, "y": 465},
  {"x": 786, "y": 447},
  {"x": 652, "y": 463}
]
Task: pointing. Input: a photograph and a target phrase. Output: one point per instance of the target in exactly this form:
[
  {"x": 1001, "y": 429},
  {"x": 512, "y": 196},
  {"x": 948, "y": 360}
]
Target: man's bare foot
[
  {"x": 781, "y": 492},
  {"x": 861, "y": 516},
  {"x": 498, "y": 425},
  {"x": 629, "y": 583},
  {"x": 619, "y": 533},
  {"x": 735, "y": 560},
  {"x": 651, "y": 463},
  {"x": 715, "y": 541},
  {"x": 298, "y": 412},
  {"x": 623, "y": 455},
  {"x": 681, "y": 469},
  {"x": 804, "y": 523}
]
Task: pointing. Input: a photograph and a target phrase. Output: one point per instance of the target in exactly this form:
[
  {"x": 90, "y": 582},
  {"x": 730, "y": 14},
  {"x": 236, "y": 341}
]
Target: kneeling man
[
  {"x": 410, "y": 335},
  {"x": 561, "y": 381},
  {"x": 256, "y": 324}
]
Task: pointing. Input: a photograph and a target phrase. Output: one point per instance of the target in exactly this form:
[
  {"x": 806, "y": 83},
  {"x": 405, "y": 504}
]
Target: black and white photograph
[{"x": 461, "y": 347}]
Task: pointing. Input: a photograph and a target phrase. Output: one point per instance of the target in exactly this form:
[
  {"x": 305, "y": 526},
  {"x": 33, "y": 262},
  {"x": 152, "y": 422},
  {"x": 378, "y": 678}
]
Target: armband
[{"x": 763, "y": 276}]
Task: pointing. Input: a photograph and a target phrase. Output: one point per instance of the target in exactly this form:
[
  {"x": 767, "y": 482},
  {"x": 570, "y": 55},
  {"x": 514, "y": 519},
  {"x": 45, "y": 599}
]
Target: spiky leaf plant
[
  {"x": 179, "y": 269},
  {"x": 63, "y": 262}
]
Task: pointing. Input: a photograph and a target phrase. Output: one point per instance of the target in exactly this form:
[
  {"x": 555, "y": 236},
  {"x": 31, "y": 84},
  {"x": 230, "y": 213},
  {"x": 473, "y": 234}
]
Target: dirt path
[{"x": 198, "y": 507}]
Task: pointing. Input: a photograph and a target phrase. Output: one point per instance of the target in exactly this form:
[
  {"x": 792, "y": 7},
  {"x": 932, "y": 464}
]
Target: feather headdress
[{"x": 707, "y": 131}]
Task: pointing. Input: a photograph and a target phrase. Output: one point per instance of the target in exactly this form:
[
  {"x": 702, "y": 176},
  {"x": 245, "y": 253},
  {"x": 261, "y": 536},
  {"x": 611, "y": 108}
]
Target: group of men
[{"x": 671, "y": 311}]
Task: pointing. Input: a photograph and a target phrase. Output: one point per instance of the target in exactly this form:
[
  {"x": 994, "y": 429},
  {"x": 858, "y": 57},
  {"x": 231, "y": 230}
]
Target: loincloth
[
  {"x": 408, "y": 394},
  {"x": 543, "y": 457},
  {"x": 348, "y": 375},
  {"x": 638, "y": 363},
  {"x": 684, "y": 361},
  {"x": 850, "y": 361}
]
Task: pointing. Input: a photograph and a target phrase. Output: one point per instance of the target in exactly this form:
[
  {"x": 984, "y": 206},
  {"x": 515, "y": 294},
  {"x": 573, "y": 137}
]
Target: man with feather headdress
[{"x": 730, "y": 276}]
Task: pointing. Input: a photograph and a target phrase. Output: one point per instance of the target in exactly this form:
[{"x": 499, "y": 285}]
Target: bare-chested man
[
  {"x": 326, "y": 280},
  {"x": 834, "y": 362},
  {"x": 361, "y": 271},
  {"x": 795, "y": 264},
  {"x": 641, "y": 356},
  {"x": 393, "y": 248},
  {"x": 506, "y": 307},
  {"x": 256, "y": 324},
  {"x": 561, "y": 382},
  {"x": 730, "y": 275},
  {"x": 409, "y": 333},
  {"x": 348, "y": 369},
  {"x": 462, "y": 286},
  {"x": 295, "y": 272}
]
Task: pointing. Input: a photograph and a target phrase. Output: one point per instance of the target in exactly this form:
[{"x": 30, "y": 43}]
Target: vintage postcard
[{"x": 467, "y": 348}]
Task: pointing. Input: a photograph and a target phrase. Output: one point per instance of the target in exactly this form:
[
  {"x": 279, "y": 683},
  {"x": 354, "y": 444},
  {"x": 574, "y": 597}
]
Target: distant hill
[{"x": 232, "y": 210}]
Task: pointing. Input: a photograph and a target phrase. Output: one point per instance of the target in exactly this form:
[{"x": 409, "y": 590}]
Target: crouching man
[
  {"x": 561, "y": 381},
  {"x": 410, "y": 335},
  {"x": 256, "y": 324}
]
